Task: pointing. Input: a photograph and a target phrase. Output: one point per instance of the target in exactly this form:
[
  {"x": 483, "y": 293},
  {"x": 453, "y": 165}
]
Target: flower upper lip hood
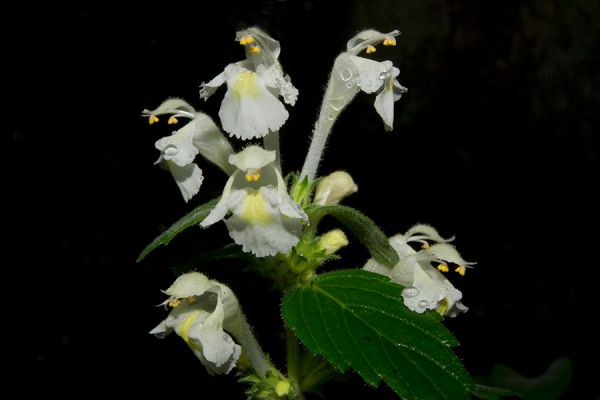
[{"x": 251, "y": 108}]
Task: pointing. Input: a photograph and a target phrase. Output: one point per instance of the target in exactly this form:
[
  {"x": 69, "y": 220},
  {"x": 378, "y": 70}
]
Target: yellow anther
[
  {"x": 152, "y": 119},
  {"x": 443, "y": 267},
  {"x": 391, "y": 41},
  {"x": 172, "y": 121},
  {"x": 191, "y": 299},
  {"x": 249, "y": 39},
  {"x": 371, "y": 49},
  {"x": 254, "y": 50},
  {"x": 424, "y": 246},
  {"x": 174, "y": 303},
  {"x": 253, "y": 175},
  {"x": 461, "y": 270}
]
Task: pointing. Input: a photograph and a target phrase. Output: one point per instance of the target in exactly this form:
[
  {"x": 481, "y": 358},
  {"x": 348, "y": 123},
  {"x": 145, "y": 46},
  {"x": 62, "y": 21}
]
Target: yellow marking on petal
[
  {"x": 282, "y": 388},
  {"x": 184, "y": 328},
  {"x": 391, "y": 41},
  {"x": 152, "y": 119},
  {"x": 253, "y": 175},
  {"x": 255, "y": 209},
  {"x": 245, "y": 85},
  {"x": 254, "y": 50},
  {"x": 172, "y": 121},
  {"x": 191, "y": 299},
  {"x": 443, "y": 267},
  {"x": 443, "y": 306},
  {"x": 174, "y": 303},
  {"x": 424, "y": 246},
  {"x": 371, "y": 49},
  {"x": 461, "y": 270}
]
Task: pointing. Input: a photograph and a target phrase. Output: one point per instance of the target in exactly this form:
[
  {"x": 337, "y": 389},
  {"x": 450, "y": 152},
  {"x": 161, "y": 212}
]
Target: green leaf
[
  {"x": 548, "y": 386},
  {"x": 357, "y": 319},
  {"x": 195, "y": 217},
  {"x": 365, "y": 230},
  {"x": 492, "y": 393}
]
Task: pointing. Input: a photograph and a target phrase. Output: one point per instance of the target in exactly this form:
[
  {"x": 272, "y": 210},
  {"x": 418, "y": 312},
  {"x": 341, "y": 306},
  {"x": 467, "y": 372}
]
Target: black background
[{"x": 494, "y": 143}]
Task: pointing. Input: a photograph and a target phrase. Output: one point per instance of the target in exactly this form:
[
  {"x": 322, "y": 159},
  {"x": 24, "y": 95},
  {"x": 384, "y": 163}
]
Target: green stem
[{"x": 293, "y": 362}]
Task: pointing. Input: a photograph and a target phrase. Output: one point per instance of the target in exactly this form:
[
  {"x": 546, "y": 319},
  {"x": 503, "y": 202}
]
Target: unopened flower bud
[
  {"x": 332, "y": 241},
  {"x": 334, "y": 188}
]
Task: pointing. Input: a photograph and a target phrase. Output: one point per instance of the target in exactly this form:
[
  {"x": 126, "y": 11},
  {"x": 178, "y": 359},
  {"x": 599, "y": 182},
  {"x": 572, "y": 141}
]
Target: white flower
[
  {"x": 250, "y": 108},
  {"x": 334, "y": 188},
  {"x": 202, "y": 311},
  {"x": 265, "y": 220},
  {"x": 353, "y": 73},
  {"x": 425, "y": 287},
  {"x": 178, "y": 151}
]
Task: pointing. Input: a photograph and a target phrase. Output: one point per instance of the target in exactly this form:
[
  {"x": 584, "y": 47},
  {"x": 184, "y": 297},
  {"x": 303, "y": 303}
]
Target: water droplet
[
  {"x": 423, "y": 304},
  {"x": 382, "y": 76},
  {"x": 331, "y": 116},
  {"x": 170, "y": 150},
  {"x": 410, "y": 291},
  {"x": 350, "y": 85},
  {"x": 337, "y": 104},
  {"x": 346, "y": 74}
]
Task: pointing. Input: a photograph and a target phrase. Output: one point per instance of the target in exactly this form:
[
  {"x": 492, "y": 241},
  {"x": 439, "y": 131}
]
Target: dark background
[{"x": 494, "y": 143}]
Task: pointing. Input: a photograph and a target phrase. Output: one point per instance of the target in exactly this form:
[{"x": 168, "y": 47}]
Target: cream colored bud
[
  {"x": 332, "y": 241},
  {"x": 334, "y": 188}
]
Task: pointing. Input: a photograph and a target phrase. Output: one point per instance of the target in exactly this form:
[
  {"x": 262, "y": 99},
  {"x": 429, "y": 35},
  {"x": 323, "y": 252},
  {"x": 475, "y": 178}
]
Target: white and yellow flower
[
  {"x": 251, "y": 108},
  {"x": 202, "y": 311},
  {"x": 265, "y": 219},
  {"x": 360, "y": 73},
  {"x": 178, "y": 151},
  {"x": 425, "y": 287}
]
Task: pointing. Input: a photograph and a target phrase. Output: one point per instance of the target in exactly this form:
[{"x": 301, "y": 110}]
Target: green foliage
[
  {"x": 196, "y": 216},
  {"x": 363, "y": 228},
  {"x": 492, "y": 393},
  {"x": 357, "y": 319},
  {"x": 548, "y": 386}
]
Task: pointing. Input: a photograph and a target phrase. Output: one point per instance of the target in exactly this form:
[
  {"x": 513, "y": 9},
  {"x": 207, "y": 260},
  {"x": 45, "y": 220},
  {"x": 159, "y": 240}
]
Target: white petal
[
  {"x": 400, "y": 244},
  {"x": 447, "y": 252},
  {"x": 190, "y": 284},
  {"x": 252, "y": 157},
  {"x": 258, "y": 225},
  {"x": 248, "y": 109},
  {"x": 172, "y": 106},
  {"x": 273, "y": 77},
  {"x": 161, "y": 330},
  {"x": 188, "y": 178},
  {"x": 366, "y": 38},
  {"x": 179, "y": 147},
  {"x": 220, "y": 209},
  {"x": 371, "y": 74},
  {"x": 208, "y": 88},
  {"x": 384, "y": 105},
  {"x": 426, "y": 232},
  {"x": 269, "y": 47},
  {"x": 287, "y": 206},
  {"x": 218, "y": 348}
]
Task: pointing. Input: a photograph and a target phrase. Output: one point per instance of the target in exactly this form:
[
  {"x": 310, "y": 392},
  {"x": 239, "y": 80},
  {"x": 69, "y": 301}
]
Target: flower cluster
[{"x": 275, "y": 226}]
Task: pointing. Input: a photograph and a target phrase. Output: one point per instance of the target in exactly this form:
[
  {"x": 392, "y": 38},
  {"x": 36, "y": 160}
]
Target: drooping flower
[
  {"x": 354, "y": 73},
  {"x": 251, "y": 108},
  {"x": 265, "y": 219},
  {"x": 178, "y": 151},
  {"x": 425, "y": 287},
  {"x": 334, "y": 188},
  {"x": 202, "y": 311}
]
